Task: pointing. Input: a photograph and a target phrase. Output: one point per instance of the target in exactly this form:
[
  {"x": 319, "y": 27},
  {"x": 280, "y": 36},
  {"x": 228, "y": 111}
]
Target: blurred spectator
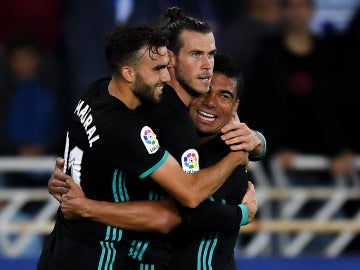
[
  {"x": 31, "y": 122},
  {"x": 291, "y": 84},
  {"x": 242, "y": 37},
  {"x": 347, "y": 100},
  {"x": 83, "y": 26},
  {"x": 289, "y": 97},
  {"x": 30, "y": 119},
  {"x": 348, "y": 72}
]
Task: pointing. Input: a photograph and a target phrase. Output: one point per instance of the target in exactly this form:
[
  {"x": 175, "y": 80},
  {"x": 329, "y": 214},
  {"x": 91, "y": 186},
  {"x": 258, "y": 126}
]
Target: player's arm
[
  {"x": 188, "y": 189},
  {"x": 240, "y": 137},
  {"x": 154, "y": 216},
  {"x": 191, "y": 189},
  {"x": 158, "y": 216},
  {"x": 215, "y": 216}
]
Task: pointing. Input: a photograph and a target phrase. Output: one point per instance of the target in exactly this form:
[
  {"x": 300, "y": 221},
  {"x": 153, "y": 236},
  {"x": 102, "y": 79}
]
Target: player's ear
[
  {"x": 172, "y": 58},
  {"x": 234, "y": 110},
  {"x": 128, "y": 73},
  {"x": 237, "y": 102}
]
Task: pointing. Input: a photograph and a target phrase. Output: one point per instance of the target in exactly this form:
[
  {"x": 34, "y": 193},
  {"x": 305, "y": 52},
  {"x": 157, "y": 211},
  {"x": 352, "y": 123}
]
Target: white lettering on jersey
[
  {"x": 148, "y": 137},
  {"x": 83, "y": 112},
  {"x": 190, "y": 161}
]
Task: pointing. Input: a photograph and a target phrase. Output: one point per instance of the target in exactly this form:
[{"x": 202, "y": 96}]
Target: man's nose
[
  {"x": 165, "y": 75},
  {"x": 210, "y": 101}
]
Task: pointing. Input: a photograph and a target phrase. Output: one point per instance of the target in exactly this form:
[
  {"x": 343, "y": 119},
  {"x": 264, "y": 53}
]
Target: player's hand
[
  {"x": 72, "y": 202},
  {"x": 240, "y": 137},
  {"x": 57, "y": 182},
  {"x": 250, "y": 201},
  {"x": 243, "y": 158}
]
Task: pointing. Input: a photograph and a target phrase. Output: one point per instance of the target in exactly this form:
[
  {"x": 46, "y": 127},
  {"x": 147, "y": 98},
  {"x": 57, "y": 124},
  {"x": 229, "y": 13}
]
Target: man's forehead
[
  {"x": 196, "y": 41},
  {"x": 222, "y": 83}
]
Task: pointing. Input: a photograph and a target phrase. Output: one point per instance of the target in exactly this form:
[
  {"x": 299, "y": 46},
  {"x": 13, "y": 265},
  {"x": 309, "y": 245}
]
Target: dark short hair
[
  {"x": 178, "y": 22},
  {"x": 226, "y": 65},
  {"x": 124, "y": 41},
  {"x": 286, "y": 3},
  {"x": 22, "y": 41}
]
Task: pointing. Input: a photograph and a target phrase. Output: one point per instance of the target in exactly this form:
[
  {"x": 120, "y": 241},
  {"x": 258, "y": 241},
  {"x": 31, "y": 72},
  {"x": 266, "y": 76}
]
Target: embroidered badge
[
  {"x": 148, "y": 137},
  {"x": 190, "y": 161}
]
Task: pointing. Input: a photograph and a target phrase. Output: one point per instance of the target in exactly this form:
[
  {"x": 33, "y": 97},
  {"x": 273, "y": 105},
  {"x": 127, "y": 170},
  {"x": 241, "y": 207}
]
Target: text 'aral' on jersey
[{"x": 83, "y": 112}]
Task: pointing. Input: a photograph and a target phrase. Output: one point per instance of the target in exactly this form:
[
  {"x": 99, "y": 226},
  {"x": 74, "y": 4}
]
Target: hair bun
[{"x": 174, "y": 14}]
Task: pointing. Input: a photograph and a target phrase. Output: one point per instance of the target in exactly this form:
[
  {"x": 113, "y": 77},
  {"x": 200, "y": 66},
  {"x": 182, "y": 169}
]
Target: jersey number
[{"x": 73, "y": 160}]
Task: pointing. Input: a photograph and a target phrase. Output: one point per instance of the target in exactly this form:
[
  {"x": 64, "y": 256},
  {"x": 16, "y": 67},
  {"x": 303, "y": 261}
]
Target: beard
[
  {"x": 144, "y": 91},
  {"x": 185, "y": 84}
]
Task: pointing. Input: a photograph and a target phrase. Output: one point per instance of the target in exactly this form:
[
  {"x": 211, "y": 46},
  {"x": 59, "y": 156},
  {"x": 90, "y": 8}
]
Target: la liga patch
[
  {"x": 148, "y": 137},
  {"x": 190, "y": 161}
]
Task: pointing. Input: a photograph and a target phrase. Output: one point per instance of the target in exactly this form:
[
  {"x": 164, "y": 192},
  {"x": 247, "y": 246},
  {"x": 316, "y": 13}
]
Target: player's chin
[{"x": 157, "y": 99}]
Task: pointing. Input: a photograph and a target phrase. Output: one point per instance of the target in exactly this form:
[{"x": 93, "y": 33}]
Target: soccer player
[
  {"x": 191, "y": 50},
  {"x": 200, "y": 244},
  {"x": 209, "y": 233},
  {"x": 110, "y": 145}
]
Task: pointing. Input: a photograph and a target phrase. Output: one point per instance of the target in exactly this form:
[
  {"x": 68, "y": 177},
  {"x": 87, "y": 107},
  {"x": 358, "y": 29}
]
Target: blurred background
[{"x": 300, "y": 60}]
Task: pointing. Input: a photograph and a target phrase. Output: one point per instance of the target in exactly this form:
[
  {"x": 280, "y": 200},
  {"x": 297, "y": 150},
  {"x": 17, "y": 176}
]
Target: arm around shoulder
[{"x": 191, "y": 189}]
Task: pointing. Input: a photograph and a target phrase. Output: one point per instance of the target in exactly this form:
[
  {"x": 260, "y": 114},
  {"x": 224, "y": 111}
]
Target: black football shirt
[{"x": 107, "y": 146}]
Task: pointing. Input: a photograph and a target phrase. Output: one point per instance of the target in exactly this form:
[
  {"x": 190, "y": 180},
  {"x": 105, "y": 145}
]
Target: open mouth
[
  {"x": 206, "y": 116},
  {"x": 205, "y": 79},
  {"x": 158, "y": 89}
]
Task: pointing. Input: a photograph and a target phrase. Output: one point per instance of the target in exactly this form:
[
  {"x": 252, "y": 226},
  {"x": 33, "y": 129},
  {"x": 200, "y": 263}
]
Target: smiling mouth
[
  {"x": 158, "y": 89},
  {"x": 206, "y": 116}
]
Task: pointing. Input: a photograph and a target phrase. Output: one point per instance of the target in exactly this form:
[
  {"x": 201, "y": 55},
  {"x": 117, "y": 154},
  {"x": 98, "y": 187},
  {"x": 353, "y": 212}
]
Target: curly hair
[{"x": 124, "y": 41}]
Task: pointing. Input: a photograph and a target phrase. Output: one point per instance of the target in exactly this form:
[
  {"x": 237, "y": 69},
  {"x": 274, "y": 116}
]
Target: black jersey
[
  {"x": 175, "y": 130},
  {"x": 207, "y": 238},
  {"x": 107, "y": 146}
]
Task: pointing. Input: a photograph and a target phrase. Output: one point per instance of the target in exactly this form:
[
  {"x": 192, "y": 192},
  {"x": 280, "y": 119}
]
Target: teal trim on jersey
[
  {"x": 107, "y": 235},
  {"x": 119, "y": 188},
  {"x": 245, "y": 214},
  {"x": 154, "y": 196},
  {"x": 211, "y": 198},
  {"x": 144, "y": 266},
  {"x": 206, "y": 252},
  {"x": 113, "y": 234},
  {"x": 138, "y": 249},
  {"x": 156, "y": 166},
  {"x": 108, "y": 254},
  {"x": 116, "y": 196},
  {"x": 122, "y": 188},
  {"x": 116, "y": 232},
  {"x": 134, "y": 250},
  {"x": 146, "y": 244},
  {"x": 204, "y": 262},
  {"x": 202, "y": 243},
  {"x": 261, "y": 155},
  {"x": 211, "y": 255},
  {"x": 113, "y": 256},
  {"x": 108, "y": 251},
  {"x": 103, "y": 251}
]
